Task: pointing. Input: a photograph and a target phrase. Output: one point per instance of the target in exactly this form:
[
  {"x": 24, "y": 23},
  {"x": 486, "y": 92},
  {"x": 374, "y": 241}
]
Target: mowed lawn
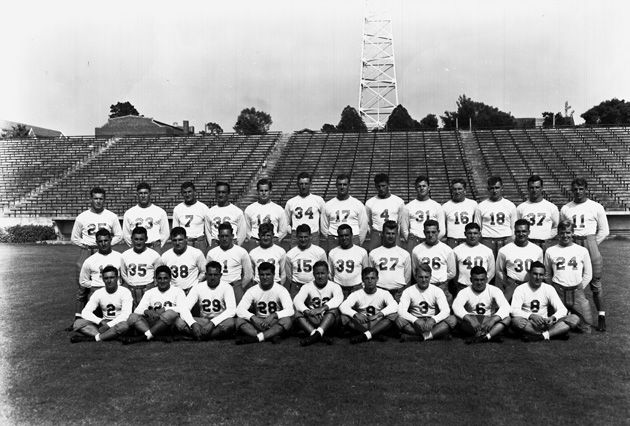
[{"x": 46, "y": 379}]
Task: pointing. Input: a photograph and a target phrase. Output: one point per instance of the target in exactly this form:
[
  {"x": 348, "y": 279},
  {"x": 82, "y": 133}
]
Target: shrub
[{"x": 27, "y": 234}]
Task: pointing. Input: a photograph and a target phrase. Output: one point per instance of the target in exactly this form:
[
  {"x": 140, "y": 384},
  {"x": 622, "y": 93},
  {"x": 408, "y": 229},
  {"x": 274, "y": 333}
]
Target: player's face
[
  {"x": 213, "y": 277},
  {"x": 478, "y": 282},
  {"x": 579, "y": 193},
  {"x": 389, "y": 237},
  {"x": 345, "y": 238},
  {"x": 472, "y": 236},
  {"x": 422, "y": 190},
  {"x": 431, "y": 234},
  {"x": 321, "y": 276},
  {"x": 179, "y": 243},
  {"x": 343, "y": 188},
  {"x": 266, "y": 239},
  {"x": 110, "y": 279},
  {"x": 226, "y": 239},
  {"x": 565, "y": 237},
  {"x": 521, "y": 233},
  {"x": 222, "y": 195},
  {"x": 303, "y": 240},
  {"x": 535, "y": 190},
  {"x": 163, "y": 281},
  {"x": 382, "y": 189},
  {"x": 304, "y": 186},
  {"x": 423, "y": 279},
  {"x": 536, "y": 277},
  {"x": 144, "y": 197},
  {"x": 369, "y": 282},
  {"x": 458, "y": 192},
  {"x": 97, "y": 202},
  {"x": 104, "y": 244},
  {"x": 495, "y": 191},
  {"x": 189, "y": 195},
  {"x": 266, "y": 279},
  {"x": 139, "y": 242},
  {"x": 264, "y": 194}
]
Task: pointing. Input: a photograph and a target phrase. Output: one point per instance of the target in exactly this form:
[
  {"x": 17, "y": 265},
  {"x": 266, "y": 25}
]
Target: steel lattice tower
[{"x": 378, "y": 94}]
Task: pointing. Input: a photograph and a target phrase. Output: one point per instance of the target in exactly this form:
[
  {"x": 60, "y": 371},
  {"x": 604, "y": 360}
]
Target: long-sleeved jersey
[
  {"x": 305, "y": 210},
  {"x": 153, "y": 218},
  {"x": 192, "y": 218},
  {"x": 430, "y": 303},
  {"x": 543, "y": 218},
  {"x": 257, "y": 214},
  {"x": 231, "y": 214},
  {"x": 527, "y": 301},
  {"x": 115, "y": 306},
  {"x": 496, "y": 218},
  {"x": 417, "y": 212},
  {"x": 235, "y": 263},
  {"x": 346, "y": 265},
  {"x": 312, "y": 297},
  {"x": 589, "y": 218},
  {"x": 393, "y": 265},
  {"x": 87, "y": 224},
  {"x": 262, "y": 303},
  {"x": 349, "y": 211},
  {"x": 439, "y": 257},
  {"x": 216, "y": 304},
  {"x": 300, "y": 263},
  {"x": 90, "y": 275},
  {"x": 186, "y": 268},
  {"x": 173, "y": 298},
  {"x": 457, "y": 216},
  {"x": 139, "y": 268},
  {"x": 470, "y": 302},
  {"x": 467, "y": 257},
  {"x": 514, "y": 261},
  {"x": 369, "y": 304},
  {"x": 568, "y": 266}
]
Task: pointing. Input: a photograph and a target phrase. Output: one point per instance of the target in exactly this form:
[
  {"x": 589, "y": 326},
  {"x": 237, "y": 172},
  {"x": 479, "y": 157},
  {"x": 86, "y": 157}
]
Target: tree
[
  {"x": 17, "y": 131},
  {"x": 400, "y": 121},
  {"x": 483, "y": 116},
  {"x": 611, "y": 112},
  {"x": 351, "y": 121},
  {"x": 430, "y": 122},
  {"x": 213, "y": 129},
  {"x": 121, "y": 109},
  {"x": 561, "y": 120},
  {"x": 329, "y": 128},
  {"x": 252, "y": 122}
]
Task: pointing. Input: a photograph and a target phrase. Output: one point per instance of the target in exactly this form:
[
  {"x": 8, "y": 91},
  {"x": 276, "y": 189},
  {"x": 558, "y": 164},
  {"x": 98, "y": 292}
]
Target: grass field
[{"x": 47, "y": 380}]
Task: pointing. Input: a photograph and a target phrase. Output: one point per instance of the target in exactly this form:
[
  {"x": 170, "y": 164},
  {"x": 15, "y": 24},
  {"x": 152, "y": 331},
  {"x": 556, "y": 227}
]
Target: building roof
[{"x": 34, "y": 131}]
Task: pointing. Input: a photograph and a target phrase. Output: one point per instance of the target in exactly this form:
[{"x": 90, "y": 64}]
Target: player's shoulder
[
  {"x": 293, "y": 252},
  {"x": 168, "y": 254},
  {"x": 508, "y": 248},
  {"x": 123, "y": 291},
  {"x": 195, "y": 251}
]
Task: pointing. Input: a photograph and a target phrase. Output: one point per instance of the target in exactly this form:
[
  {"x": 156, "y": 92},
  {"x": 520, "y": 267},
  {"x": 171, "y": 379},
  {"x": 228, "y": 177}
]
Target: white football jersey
[
  {"x": 346, "y": 265},
  {"x": 515, "y": 262},
  {"x": 393, "y": 265},
  {"x": 153, "y": 218},
  {"x": 186, "y": 267},
  {"x": 302, "y": 261},
  {"x": 235, "y": 263},
  {"x": 192, "y": 218},
  {"x": 138, "y": 269},
  {"x": 381, "y": 209},
  {"x": 543, "y": 218},
  {"x": 457, "y": 216},
  {"x": 305, "y": 210},
  {"x": 274, "y": 255},
  {"x": 439, "y": 257},
  {"x": 88, "y": 223},
  {"x": 467, "y": 257},
  {"x": 496, "y": 218},
  {"x": 90, "y": 275}
]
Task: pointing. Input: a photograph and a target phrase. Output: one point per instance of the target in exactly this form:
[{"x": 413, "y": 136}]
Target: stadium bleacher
[{"x": 46, "y": 178}]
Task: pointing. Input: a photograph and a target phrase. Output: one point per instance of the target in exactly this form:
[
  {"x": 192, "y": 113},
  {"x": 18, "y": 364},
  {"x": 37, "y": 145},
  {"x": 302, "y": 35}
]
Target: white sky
[{"x": 65, "y": 62}]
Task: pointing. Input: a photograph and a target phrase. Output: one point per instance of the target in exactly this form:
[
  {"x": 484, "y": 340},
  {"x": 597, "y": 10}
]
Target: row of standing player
[{"x": 496, "y": 217}]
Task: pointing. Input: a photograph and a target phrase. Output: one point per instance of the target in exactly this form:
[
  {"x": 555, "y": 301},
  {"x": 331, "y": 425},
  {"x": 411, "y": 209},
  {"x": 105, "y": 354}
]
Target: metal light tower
[{"x": 378, "y": 95}]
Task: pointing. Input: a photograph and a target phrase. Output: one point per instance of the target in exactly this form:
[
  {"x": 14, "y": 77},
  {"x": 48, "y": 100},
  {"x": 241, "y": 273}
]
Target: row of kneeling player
[{"x": 266, "y": 311}]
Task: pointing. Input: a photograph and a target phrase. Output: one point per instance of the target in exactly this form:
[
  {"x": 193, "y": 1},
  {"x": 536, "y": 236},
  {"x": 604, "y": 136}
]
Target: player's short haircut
[
  {"x": 103, "y": 232},
  {"x": 188, "y": 184},
  {"x": 344, "y": 227},
  {"x": 537, "y": 264},
  {"x": 521, "y": 222},
  {"x": 424, "y": 267},
  {"x": 535, "y": 178},
  {"x": 366, "y": 271},
  {"x": 472, "y": 225},
  {"x": 579, "y": 182},
  {"x": 564, "y": 225},
  {"x": 478, "y": 270},
  {"x": 422, "y": 178},
  {"x": 303, "y": 228},
  {"x": 458, "y": 180},
  {"x": 263, "y": 181},
  {"x": 178, "y": 230},
  {"x": 222, "y": 183},
  {"x": 343, "y": 176},
  {"x": 213, "y": 264},
  {"x": 139, "y": 230},
  {"x": 109, "y": 268},
  {"x": 162, "y": 269},
  {"x": 493, "y": 180},
  {"x": 304, "y": 175},
  {"x": 390, "y": 224},
  {"x": 225, "y": 225},
  {"x": 381, "y": 177},
  {"x": 143, "y": 185},
  {"x": 320, "y": 263},
  {"x": 267, "y": 266},
  {"x": 431, "y": 222},
  {"x": 97, "y": 190},
  {"x": 265, "y": 227}
]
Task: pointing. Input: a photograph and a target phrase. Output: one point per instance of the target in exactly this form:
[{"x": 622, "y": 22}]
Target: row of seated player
[{"x": 267, "y": 312}]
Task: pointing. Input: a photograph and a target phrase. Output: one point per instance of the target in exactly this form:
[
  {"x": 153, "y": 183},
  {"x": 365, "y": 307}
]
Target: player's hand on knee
[
  {"x": 429, "y": 324},
  {"x": 538, "y": 321},
  {"x": 360, "y": 318},
  {"x": 197, "y": 331}
]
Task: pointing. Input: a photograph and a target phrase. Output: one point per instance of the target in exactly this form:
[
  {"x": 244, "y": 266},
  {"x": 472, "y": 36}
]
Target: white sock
[
  {"x": 546, "y": 335},
  {"x": 148, "y": 334},
  {"x": 261, "y": 337},
  {"x": 368, "y": 335},
  {"x": 488, "y": 336},
  {"x": 602, "y": 313},
  {"x": 98, "y": 337},
  {"x": 313, "y": 332},
  {"x": 427, "y": 335},
  {"x": 320, "y": 331}
]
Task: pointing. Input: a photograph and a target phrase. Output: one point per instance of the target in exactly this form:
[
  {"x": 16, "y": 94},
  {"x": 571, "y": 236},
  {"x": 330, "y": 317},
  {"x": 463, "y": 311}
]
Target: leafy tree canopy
[
  {"x": 351, "y": 121},
  {"x": 329, "y": 128},
  {"x": 561, "y": 120},
  {"x": 17, "y": 131},
  {"x": 252, "y": 122},
  {"x": 611, "y": 112},
  {"x": 430, "y": 122},
  {"x": 400, "y": 121},
  {"x": 213, "y": 129},
  {"x": 483, "y": 116},
  {"x": 121, "y": 109}
]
